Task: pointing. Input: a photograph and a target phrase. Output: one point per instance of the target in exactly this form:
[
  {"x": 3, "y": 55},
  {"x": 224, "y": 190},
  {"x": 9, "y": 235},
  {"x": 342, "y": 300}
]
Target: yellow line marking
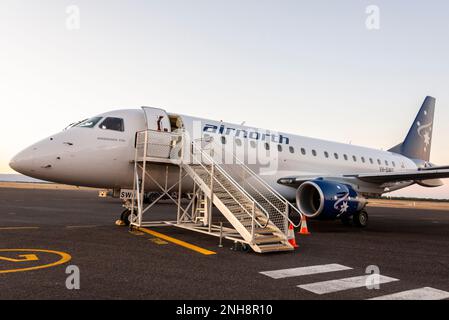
[
  {"x": 64, "y": 258},
  {"x": 178, "y": 242},
  {"x": 18, "y": 228},
  {"x": 24, "y": 257}
]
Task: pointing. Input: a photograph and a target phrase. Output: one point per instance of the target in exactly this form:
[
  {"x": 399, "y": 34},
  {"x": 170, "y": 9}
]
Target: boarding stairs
[{"x": 254, "y": 213}]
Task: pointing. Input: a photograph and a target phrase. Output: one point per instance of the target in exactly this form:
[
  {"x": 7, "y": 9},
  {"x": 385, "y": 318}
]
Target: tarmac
[{"x": 47, "y": 234}]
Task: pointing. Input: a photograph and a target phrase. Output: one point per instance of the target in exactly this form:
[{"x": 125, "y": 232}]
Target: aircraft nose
[
  {"x": 13, "y": 164},
  {"x": 23, "y": 162},
  {"x": 42, "y": 160}
]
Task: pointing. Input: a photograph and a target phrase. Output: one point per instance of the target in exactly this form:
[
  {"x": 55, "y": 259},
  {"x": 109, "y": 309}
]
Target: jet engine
[{"x": 328, "y": 200}]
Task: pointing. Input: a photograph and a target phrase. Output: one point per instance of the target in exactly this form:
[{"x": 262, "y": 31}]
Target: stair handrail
[
  {"x": 269, "y": 188},
  {"x": 232, "y": 181}
]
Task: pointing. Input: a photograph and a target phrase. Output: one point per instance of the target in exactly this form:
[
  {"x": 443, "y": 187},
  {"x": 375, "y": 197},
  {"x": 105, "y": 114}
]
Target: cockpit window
[
  {"x": 88, "y": 123},
  {"x": 115, "y": 124}
]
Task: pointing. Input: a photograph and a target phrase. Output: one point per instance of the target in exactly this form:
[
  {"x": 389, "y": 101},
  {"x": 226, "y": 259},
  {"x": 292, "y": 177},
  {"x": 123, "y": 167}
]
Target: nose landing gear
[{"x": 125, "y": 218}]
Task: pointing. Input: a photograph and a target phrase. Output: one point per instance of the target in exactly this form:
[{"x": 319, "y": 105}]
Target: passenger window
[
  {"x": 326, "y": 154},
  {"x": 386, "y": 163},
  {"x": 394, "y": 164},
  {"x": 336, "y": 155},
  {"x": 346, "y": 157},
  {"x": 267, "y": 146},
  {"x": 314, "y": 153},
  {"x": 303, "y": 151},
  {"x": 115, "y": 124},
  {"x": 378, "y": 162},
  {"x": 371, "y": 160},
  {"x": 223, "y": 139},
  {"x": 363, "y": 159},
  {"x": 354, "y": 158},
  {"x": 292, "y": 150},
  {"x": 279, "y": 148}
]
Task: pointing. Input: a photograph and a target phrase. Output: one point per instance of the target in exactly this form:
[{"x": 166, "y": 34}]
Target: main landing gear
[{"x": 359, "y": 219}]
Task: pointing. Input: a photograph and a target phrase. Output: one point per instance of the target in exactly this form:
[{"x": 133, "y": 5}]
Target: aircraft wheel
[
  {"x": 360, "y": 219},
  {"x": 150, "y": 198},
  {"x": 126, "y": 217}
]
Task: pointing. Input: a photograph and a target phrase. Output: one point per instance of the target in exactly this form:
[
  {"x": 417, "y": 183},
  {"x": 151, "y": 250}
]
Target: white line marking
[
  {"x": 342, "y": 284},
  {"x": 18, "y": 228},
  {"x": 79, "y": 227},
  {"x": 425, "y": 293},
  {"x": 304, "y": 271}
]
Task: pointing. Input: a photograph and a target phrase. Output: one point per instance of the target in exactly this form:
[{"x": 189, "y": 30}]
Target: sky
[{"x": 312, "y": 68}]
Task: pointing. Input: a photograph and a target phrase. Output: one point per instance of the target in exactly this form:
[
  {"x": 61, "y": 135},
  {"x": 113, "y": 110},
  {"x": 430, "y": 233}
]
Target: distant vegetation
[{"x": 19, "y": 178}]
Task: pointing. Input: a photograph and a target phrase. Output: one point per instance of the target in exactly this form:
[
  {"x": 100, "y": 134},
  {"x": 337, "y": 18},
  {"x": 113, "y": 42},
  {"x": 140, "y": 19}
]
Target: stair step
[
  {"x": 241, "y": 215},
  {"x": 228, "y": 200},
  {"x": 238, "y": 208},
  {"x": 266, "y": 230},
  {"x": 227, "y": 185},
  {"x": 268, "y": 239},
  {"x": 275, "y": 247}
]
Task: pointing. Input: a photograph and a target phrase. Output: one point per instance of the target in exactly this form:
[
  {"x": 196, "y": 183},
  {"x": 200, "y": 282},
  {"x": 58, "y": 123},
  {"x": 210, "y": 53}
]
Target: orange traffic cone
[
  {"x": 304, "y": 230},
  {"x": 291, "y": 236}
]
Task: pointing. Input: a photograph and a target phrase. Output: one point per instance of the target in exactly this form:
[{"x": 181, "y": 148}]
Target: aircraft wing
[
  {"x": 427, "y": 174},
  {"x": 378, "y": 178},
  {"x": 434, "y": 168}
]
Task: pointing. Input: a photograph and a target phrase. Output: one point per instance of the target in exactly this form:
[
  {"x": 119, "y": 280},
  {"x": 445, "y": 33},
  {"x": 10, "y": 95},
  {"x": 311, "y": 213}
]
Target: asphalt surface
[{"x": 410, "y": 245}]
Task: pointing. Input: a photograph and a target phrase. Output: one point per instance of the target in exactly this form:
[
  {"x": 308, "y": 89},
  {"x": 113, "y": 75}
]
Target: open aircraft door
[{"x": 159, "y": 137}]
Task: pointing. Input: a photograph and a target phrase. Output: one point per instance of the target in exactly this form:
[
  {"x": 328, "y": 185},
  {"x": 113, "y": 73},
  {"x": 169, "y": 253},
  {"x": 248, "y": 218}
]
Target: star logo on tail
[
  {"x": 426, "y": 137},
  {"x": 424, "y": 132}
]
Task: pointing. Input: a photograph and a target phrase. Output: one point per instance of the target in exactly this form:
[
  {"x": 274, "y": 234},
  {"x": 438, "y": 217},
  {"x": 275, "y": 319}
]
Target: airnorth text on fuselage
[{"x": 246, "y": 134}]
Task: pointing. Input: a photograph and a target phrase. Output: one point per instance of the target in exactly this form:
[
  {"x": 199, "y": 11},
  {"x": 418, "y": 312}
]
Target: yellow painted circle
[{"x": 64, "y": 257}]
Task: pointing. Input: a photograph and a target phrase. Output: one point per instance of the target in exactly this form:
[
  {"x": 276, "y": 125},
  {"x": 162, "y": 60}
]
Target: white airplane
[{"x": 328, "y": 180}]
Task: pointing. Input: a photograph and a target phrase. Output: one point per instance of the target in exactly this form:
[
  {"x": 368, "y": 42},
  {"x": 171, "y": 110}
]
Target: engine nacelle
[{"x": 325, "y": 199}]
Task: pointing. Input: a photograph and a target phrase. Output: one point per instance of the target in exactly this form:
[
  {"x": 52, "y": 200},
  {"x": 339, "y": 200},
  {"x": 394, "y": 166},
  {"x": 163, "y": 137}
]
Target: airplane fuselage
[{"x": 103, "y": 158}]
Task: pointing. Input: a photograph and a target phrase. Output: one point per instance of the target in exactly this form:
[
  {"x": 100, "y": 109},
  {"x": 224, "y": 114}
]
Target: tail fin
[{"x": 418, "y": 142}]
